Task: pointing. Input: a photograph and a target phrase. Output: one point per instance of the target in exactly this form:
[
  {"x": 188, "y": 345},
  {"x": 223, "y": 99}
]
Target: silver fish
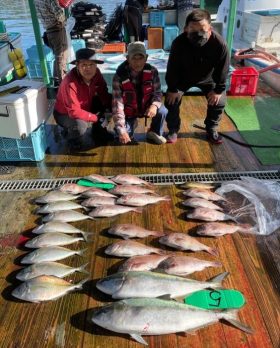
[
  {"x": 126, "y": 189},
  {"x": 183, "y": 241},
  {"x": 55, "y": 196},
  {"x": 184, "y": 265},
  {"x": 142, "y": 263},
  {"x": 98, "y": 178},
  {"x": 206, "y": 214},
  {"x": 54, "y": 253},
  {"x": 53, "y": 239},
  {"x": 200, "y": 202},
  {"x": 45, "y": 288},
  {"x": 97, "y": 192},
  {"x": 132, "y": 231},
  {"x": 127, "y": 248},
  {"x": 152, "y": 284},
  {"x": 217, "y": 229},
  {"x": 112, "y": 210},
  {"x": 203, "y": 193},
  {"x": 66, "y": 216},
  {"x": 128, "y": 179},
  {"x": 98, "y": 201},
  {"x": 56, "y": 226},
  {"x": 143, "y": 316},
  {"x": 58, "y": 206},
  {"x": 140, "y": 199},
  {"x": 49, "y": 268},
  {"x": 196, "y": 184},
  {"x": 73, "y": 188}
]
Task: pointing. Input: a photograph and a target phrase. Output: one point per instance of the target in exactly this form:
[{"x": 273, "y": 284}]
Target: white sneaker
[{"x": 155, "y": 138}]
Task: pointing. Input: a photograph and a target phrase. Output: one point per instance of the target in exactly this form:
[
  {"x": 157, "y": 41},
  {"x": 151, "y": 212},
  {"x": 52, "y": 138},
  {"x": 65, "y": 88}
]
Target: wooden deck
[{"x": 253, "y": 262}]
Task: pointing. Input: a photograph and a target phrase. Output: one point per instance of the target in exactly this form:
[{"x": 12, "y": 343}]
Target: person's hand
[
  {"x": 172, "y": 98},
  {"x": 124, "y": 138},
  {"x": 213, "y": 98},
  {"x": 151, "y": 111}
]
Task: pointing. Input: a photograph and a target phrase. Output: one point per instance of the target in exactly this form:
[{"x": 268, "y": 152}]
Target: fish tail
[
  {"x": 166, "y": 198},
  {"x": 232, "y": 317},
  {"x": 217, "y": 281},
  {"x": 82, "y": 269},
  {"x": 88, "y": 236},
  {"x": 81, "y": 252},
  {"x": 138, "y": 210},
  {"x": 213, "y": 251},
  {"x": 81, "y": 283},
  {"x": 216, "y": 264}
]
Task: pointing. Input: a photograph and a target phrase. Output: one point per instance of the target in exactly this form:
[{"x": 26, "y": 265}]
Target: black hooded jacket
[{"x": 189, "y": 65}]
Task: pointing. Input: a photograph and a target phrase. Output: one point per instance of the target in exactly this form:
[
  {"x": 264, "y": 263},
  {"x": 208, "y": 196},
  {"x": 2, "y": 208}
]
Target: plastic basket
[
  {"x": 34, "y": 68},
  {"x": 78, "y": 44},
  {"x": 33, "y": 56},
  {"x": 118, "y": 47},
  {"x": 244, "y": 81},
  {"x": 155, "y": 38},
  {"x": 169, "y": 34},
  {"x": 32, "y": 148},
  {"x": 157, "y": 19}
]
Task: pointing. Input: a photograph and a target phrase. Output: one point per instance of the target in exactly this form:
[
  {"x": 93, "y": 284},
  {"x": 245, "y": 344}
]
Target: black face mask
[{"x": 198, "y": 38}]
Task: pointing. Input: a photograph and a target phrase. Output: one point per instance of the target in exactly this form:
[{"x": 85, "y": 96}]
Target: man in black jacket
[{"x": 199, "y": 58}]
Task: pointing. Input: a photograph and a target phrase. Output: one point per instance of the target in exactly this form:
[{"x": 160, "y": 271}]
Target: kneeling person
[
  {"x": 137, "y": 93},
  {"x": 82, "y": 98}
]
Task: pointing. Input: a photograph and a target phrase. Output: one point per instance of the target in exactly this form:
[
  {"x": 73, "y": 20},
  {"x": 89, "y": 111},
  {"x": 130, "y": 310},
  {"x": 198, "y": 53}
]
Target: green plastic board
[
  {"x": 84, "y": 182},
  {"x": 216, "y": 299}
]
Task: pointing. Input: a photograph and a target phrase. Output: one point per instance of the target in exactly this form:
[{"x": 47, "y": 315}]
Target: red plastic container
[
  {"x": 65, "y": 3},
  {"x": 244, "y": 81}
]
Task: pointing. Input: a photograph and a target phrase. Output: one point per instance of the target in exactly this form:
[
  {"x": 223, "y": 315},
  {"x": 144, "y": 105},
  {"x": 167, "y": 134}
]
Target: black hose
[{"x": 237, "y": 141}]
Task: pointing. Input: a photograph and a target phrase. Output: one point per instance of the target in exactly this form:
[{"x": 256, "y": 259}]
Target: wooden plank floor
[{"x": 252, "y": 262}]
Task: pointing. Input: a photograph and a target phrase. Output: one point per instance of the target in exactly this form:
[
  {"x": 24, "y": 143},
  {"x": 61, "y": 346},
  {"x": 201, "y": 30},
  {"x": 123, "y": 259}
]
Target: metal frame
[{"x": 157, "y": 179}]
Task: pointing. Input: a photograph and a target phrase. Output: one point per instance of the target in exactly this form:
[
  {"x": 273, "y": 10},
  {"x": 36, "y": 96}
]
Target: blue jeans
[
  {"x": 157, "y": 124},
  {"x": 213, "y": 117}
]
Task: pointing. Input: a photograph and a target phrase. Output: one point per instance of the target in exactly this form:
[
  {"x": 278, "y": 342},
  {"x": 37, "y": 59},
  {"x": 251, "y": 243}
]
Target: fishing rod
[{"x": 237, "y": 141}]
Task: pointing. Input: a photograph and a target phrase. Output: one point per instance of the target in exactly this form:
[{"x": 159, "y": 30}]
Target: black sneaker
[{"x": 214, "y": 137}]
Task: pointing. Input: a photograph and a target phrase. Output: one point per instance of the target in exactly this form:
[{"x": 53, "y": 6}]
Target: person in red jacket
[{"x": 82, "y": 99}]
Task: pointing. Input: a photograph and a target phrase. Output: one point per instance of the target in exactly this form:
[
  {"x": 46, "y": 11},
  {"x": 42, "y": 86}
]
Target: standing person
[
  {"x": 82, "y": 99},
  {"x": 133, "y": 11},
  {"x": 137, "y": 93},
  {"x": 53, "y": 20},
  {"x": 199, "y": 57}
]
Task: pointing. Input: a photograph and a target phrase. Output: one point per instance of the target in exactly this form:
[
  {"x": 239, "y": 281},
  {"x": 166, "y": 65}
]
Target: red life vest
[{"x": 129, "y": 93}]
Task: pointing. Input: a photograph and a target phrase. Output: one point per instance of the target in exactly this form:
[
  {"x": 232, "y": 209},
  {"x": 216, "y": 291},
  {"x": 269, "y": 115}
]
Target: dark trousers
[
  {"x": 75, "y": 129},
  {"x": 157, "y": 123},
  {"x": 57, "y": 41},
  {"x": 133, "y": 21},
  {"x": 213, "y": 116}
]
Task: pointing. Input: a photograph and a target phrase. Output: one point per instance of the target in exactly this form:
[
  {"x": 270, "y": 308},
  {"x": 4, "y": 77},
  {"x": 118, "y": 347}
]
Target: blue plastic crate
[
  {"x": 157, "y": 19},
  {"x": 33, "y": 56},
  {"x": 78, "y": 44},
  {"x": 32, "y": 148},
  {"x": 34, "y": 68},
  {"x": 169, "y": 34}
]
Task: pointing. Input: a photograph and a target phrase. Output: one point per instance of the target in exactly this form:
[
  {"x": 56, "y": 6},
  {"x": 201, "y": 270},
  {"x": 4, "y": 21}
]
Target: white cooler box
[{"x": 24, "y": 109}]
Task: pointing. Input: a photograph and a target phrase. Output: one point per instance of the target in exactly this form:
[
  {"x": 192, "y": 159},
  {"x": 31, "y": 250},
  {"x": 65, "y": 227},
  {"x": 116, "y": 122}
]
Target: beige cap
[{"x": 136, "y": 47}]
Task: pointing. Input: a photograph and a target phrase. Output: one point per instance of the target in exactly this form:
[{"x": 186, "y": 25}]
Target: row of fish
[
  {"x": 44, "y": 272},
  {"x": 140, "y": 311},
  {"x": 202, "y": 199}
]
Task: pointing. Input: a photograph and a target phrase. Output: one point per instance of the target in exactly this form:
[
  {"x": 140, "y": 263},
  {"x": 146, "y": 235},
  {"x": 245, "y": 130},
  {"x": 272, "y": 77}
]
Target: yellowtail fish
[
  {"x": 49, "y": 268},
  {"x": 45, "y": 288},
  {"x": 136, "y": 317}
]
